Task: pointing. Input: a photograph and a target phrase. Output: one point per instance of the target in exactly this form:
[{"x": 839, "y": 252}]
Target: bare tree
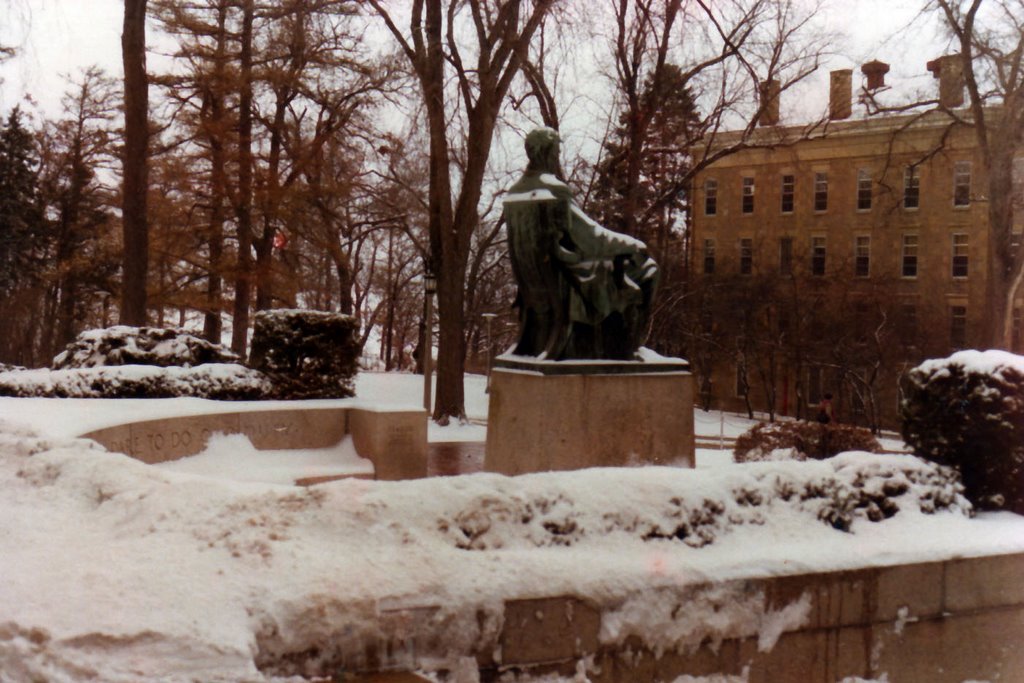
[
  {"x": 244, "y": 196},
  {"x": 992, "y": 58},
  {"x": 989, "y": 38},
  {"x": 135, "y": 256},
  {"x": 502, "y": 31}
]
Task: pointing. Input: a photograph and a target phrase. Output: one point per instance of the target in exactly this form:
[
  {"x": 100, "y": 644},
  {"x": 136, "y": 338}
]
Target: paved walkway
[{"x": 448, "y": 458}]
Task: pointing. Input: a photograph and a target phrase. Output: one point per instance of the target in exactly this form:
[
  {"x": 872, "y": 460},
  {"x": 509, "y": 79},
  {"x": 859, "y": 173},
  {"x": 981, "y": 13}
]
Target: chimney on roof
[
  {"x": 950, "y": 72},
  {"x": 875, "y": 71},
  {"x": 769, "y": 91},
  {"x": 840, "y": 94}
]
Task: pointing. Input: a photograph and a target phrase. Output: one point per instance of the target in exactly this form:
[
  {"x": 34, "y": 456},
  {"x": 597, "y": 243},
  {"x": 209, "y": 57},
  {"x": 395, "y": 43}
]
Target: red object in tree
[{"x": 280, "y": 240}]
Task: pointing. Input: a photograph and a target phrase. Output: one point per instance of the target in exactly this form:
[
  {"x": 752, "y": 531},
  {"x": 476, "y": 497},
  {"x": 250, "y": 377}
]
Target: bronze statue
[{"x": 584, "y": 291}]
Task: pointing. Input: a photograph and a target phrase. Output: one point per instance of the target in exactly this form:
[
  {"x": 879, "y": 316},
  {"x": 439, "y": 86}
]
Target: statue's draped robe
[{"x": 584, "y": 291}]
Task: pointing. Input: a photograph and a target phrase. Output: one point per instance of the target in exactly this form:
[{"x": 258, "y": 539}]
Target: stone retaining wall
[
  {"x": 940, "y": 622},
  {"x": 395, "y": 441}
]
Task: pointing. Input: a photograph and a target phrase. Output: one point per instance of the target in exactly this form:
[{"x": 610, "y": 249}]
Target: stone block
[
  {"x": 115, "y": 439},
  {"x": 394, "y": 441},
  {"x": 270, "y": 430},
  {"x": 982, "y": 582},
  {"x": 862, "y": 597},
  {"x": 837, "y": 598},
  {"x": 156, "y": 441},
  {"x": 543, "y": 422},
  {"x": 916, "y": 587},
  {"x": 796, "y": 658},
  {"x": 547, "y": 630},
  {"x": 983, "y": 646}
]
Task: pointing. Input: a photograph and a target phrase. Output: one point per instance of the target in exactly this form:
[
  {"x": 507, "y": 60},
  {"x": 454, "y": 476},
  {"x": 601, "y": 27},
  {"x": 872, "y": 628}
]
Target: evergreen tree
[
  {"x": 21, "y": 224},
  {"x": 652, "y": 138}
]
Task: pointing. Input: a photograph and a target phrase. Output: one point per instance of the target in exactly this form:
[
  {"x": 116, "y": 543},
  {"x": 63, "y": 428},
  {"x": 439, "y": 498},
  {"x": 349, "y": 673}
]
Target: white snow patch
[
  {"x": 551, "y": 179},
  {"x": 991, "y": 362},
  {"x": 118, "y": 571},
  {"x": 789, "y": 618},
  {"x": 232, "y": 456},
  {"x": 539, "y": 195}
]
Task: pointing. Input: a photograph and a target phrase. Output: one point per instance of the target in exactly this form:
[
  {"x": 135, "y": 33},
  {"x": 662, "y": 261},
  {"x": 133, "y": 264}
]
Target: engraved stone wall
[{"x": 395, "y": 441}]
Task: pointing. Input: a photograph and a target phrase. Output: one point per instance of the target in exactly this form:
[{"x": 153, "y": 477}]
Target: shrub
[
  {"x": 123, "y": 345},
  {"x": 306, "y": 354},
  {"x": 219, "y": 381},
  {"x": 801, "y": 440},
  {"x": 967, "y": 411},
  {"x": 139, "y": 362}
]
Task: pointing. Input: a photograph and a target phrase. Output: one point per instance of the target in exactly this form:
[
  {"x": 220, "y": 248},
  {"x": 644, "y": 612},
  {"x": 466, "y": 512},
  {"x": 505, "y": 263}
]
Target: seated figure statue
[{"x": 584, "y": 291}]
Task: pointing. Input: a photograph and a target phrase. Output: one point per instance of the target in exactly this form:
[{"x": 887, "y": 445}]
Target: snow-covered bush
[
  {"x": 222, "y": 381},
  {"x": 124, "y": 345},
  {"x": 836, "y": 492},
  {"x": 967, "y": 411},
  {"x": 306, "y": 354},
  {"x": 801, "y": 440}
]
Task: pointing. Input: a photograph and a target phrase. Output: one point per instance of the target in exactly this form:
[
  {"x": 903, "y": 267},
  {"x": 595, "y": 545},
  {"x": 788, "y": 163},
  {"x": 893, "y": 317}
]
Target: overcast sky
[{"x": 56, "y": 37}]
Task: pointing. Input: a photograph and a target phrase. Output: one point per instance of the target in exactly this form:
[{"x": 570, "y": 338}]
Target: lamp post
[
  {"x": 490, "y": 349},
  {"x": 429, "y": 287}
]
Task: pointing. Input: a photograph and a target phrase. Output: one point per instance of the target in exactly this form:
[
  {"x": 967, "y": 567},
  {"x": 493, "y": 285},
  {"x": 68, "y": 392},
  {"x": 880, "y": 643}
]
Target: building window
[
  {"x": 910, "y": 256},
  {"x": 863, "y": 190},
  {"x": 960, "y": 254},
  {"x": 709, "y": 257},
  {"x": 962, "y": 183},
  {"x": 746, "y": 256},
  {"x": 710, "y": 197},
  {"x": 788, "y": 191},
  {"x": 817, "y": 256},
  {"x": 862, "y": 255},
  {"x": 748, "y": 195},
  {"x": 821, "y": 191},
  {"x": 911, "y": 188},
  {"x": 958, "y": 326},
  {"x": 785, "y": 255}
]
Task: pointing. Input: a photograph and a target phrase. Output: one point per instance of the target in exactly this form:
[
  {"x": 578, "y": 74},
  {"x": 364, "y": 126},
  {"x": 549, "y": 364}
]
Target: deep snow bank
[{"x": 123, "y": 572}]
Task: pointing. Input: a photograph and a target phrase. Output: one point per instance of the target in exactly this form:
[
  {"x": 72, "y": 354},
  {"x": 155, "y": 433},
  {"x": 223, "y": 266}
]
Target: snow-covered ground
[{"x": 112, "y": 570}]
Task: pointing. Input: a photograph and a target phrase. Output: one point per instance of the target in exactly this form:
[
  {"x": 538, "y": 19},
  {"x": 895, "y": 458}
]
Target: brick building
[{"x": 834, "y": 261}]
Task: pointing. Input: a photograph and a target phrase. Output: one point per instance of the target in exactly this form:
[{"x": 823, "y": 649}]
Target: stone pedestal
[{"x": 574, "y": 414}]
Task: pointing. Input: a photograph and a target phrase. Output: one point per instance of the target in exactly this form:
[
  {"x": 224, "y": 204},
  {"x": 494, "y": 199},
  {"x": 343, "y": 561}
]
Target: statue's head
[{"x": 542, "y": 149}]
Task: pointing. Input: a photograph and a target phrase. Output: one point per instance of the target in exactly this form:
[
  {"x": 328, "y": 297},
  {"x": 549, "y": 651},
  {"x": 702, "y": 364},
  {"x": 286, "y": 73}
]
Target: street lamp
[
  {"x": 429, "y": 287},
  {"x": 490, "y": 348}
]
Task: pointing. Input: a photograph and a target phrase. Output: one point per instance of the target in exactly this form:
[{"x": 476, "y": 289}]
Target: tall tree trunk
[
  {"x": 212, "y": 321},
  {"x": 243, "y": 277},
  {"x": 265, "y": 245},
  {"x": 135, "y": 257},
  {"x": 998, "y": 320}
]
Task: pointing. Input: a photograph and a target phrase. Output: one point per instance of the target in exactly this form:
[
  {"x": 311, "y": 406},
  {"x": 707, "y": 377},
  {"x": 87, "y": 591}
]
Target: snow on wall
[{"x": 126, "y": 571}]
